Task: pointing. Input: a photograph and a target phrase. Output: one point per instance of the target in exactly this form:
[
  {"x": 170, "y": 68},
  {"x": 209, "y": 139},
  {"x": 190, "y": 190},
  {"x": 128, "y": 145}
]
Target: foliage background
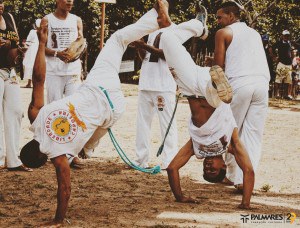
[{"x": 285, "y": 15}]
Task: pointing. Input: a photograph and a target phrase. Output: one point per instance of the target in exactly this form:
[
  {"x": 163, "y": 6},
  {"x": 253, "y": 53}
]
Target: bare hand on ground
[
  {"x": 185, "y": 199},
  {"x": 243, "y": 206},
  {"x": 52, "y": 224},
  {"x": 82, "y": 154}
]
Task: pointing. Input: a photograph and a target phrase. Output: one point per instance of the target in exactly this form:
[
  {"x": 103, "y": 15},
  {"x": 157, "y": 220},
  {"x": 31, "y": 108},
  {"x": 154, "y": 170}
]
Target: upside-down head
[
  {"x": 214, "y": 169},
  {"x": 31, "y": 156}
]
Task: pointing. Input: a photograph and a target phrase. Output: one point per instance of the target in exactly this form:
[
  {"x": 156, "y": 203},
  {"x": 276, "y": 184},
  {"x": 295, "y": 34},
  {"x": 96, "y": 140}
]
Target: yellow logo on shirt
[{"x": 60, "y": 126}]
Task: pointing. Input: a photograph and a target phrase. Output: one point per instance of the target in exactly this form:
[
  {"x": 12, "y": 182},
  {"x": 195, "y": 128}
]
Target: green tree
[{"x": 284, "y": 15}]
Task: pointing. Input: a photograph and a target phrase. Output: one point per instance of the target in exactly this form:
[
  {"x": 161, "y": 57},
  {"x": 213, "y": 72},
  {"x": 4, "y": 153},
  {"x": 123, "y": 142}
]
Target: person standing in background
[
  {"x": 239, "y": 50},
  {"x": 62, "y": 76},
  {"x": 284, "y": 66},
  {"x": 32, "y": 43},
  {"x": 10, "y": 95},
  {"x": 157, "y": 94}
]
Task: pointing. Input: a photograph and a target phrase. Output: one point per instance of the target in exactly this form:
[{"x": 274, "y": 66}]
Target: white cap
[
  {"x": 285, "y": 32},
  {"x": 38, "y": 22}
]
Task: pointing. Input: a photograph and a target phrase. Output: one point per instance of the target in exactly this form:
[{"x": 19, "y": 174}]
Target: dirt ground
[{"x": 105, "y": 194}]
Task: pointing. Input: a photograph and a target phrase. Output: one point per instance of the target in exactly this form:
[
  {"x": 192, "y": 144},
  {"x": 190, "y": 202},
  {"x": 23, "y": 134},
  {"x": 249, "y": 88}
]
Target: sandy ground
[{"x": 104, "y": 194}]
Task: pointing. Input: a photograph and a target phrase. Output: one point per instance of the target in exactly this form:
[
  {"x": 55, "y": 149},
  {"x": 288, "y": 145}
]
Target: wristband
[{"x": 55, "y": 54}]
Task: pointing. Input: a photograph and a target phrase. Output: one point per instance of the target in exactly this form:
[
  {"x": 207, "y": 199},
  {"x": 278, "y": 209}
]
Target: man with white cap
[{"x": 284, "y": 66}]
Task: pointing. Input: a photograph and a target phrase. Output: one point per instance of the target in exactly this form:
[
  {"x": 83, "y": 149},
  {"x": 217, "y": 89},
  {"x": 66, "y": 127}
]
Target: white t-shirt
[
  {"x": 61, "y": 33},
  {"x": 155, "y": 74},
  {"x": 64, "y": 126},
  {"x": 207, "y": 139}
]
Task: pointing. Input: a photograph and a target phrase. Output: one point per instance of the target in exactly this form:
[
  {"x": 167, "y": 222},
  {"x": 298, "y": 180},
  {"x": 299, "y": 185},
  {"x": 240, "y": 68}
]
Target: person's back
[
  {"x": 250, "y": 60},
  {"x": 240, "y": 50}
]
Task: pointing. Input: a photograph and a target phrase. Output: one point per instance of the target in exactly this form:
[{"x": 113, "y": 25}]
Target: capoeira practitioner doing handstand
[
  {"x": 67, "y": 125},
  {"x": 212, "y": 126}
]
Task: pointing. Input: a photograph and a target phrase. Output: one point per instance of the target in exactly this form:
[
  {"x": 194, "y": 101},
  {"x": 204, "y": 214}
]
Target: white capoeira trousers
[
  {"x": 190, "y": 78},
  {"x": 59, "y": 86},
  {"x": 10, "y": 120},
  {"x": 149, "y": 103},
  {"x": 104, "y": 74},
  {"x": 249, "y": 106}
]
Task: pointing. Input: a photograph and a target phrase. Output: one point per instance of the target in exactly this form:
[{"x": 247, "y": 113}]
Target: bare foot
[{"x": 162, "y": 8}]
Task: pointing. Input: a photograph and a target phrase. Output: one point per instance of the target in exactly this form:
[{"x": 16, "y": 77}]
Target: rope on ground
[
  {"x": 121, "y": 153},
  {"x": 126, "y": 160}
]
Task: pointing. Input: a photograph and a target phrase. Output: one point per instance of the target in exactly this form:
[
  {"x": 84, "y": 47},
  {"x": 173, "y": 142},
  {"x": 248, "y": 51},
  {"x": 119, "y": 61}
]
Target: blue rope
[{"x": 121, "y": 153}]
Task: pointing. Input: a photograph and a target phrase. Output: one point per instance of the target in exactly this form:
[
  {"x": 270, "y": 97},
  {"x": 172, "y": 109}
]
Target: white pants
[
  {"x": 11, "y": 115},
  {"x": 190, "y": 78},
  {"x": 162, "y": 103},
  {"x": 106, "y": 70},
  {"x": 249, "y": 107},
  {"x": 58, "y": 86},
  {"x": 107, "y": 66}
]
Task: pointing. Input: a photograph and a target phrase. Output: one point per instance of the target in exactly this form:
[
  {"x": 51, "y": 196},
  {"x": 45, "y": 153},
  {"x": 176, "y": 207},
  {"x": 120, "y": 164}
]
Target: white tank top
[
  {"x": 245, "y": 56},
  {"x": 155, "y": 73},
  {"x": 61, "y": 33}
]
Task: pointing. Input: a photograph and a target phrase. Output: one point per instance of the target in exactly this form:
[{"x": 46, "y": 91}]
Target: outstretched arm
[
  {"x": 243, "y": 160},
  {"x": 179, "y": 161},
  {"x": 39, "y": 73}
]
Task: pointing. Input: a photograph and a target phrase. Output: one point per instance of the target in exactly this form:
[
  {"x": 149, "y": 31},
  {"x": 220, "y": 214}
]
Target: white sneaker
[
  {"x": 202, "y": 17},
  {"x": 220, "y": 80}
]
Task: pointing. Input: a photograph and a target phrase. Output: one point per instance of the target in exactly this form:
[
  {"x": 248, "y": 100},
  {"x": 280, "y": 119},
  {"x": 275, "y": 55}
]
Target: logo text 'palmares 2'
[{"x": 269, "y": 218}]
